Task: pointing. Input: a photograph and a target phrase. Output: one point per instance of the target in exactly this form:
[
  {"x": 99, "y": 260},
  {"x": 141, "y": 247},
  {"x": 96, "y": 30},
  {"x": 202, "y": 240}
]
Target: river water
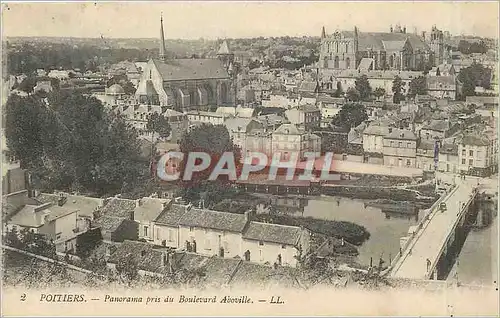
[
  {"x": 477, "y": 261},
  {"x": 385, "y": 230}
]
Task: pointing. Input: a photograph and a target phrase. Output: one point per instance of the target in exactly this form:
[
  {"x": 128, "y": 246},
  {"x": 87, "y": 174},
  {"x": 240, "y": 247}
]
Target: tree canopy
[
  {"x": 363, "y": 87},
  {"x": 352, "y": 95},
  {"x": 397, "y": 90},
  {"x": 472, "y": 76},
  {"x": 418, "y": 86},
  {"x": 215, "y": 141},
  {"x": 350, "y": 115},
  {"x": 158, "y": 124},
  {"x": 71, "y": 143}
]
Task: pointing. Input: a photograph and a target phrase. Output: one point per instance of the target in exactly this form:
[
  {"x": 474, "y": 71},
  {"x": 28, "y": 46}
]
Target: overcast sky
[{"x": 191, "y": 20}]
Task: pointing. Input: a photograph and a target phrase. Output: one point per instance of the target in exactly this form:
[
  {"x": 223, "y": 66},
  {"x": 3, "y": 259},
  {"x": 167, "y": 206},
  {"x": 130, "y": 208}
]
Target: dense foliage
[
  {"x": 214, "y": 141},
  {"x": 70, "y": 143},
  {"x": 350, "y": 116},
  {"x": 472, "y": 76},
  {"x": 351, "y": 232}
]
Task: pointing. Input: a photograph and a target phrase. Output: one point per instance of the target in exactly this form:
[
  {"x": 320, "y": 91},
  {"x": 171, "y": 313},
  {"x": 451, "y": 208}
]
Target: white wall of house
[
  {"x": 167, "y": 234},
  {"x": 266, "y": 252},
  {"x": 448, "y": 163},
  {"x": 373, "y": 143},
  {"x": 65, "y": 225},
  {"x": 209, "y": 241}
]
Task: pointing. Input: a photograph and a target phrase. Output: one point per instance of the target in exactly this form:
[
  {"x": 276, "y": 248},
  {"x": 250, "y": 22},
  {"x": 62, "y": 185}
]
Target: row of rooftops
[{"x": 166, "y": 212}]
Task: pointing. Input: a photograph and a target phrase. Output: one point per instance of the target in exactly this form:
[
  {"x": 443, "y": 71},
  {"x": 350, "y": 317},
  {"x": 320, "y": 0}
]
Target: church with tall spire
[{"x": 187, "y": 84}]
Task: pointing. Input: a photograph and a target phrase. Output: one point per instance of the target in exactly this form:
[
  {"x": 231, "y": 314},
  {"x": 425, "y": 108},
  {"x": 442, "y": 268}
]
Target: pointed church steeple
[
  {"x": 323, "y": 33},
  {"x": 162, "y": 40}
]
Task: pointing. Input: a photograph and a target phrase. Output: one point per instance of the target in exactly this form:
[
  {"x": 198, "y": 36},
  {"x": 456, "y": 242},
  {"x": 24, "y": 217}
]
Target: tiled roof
[
  {"x": 29, "y": 218},
  {"x": 188, "y": 69},
  {"x": 274, "y": 233},
  {"x": 433, "y": 81},
  {"x": 377, "y": 130},
  {"x": 437, "y": 125},
  {"x": 171, "y": 215},
  {"x": 476, "y": 140},
  {"x": 393, "y": 45},
  {"x": 288, "y": 129},
  {"x": 425, "y": 145},
  {"x": 237, "y": 124},
  {"x": 108, "y": 224},
  {"x": 85, "y": 205},
  {"x": 449, "y": 149},
  {"x": 401, "y": 134},
  {"x": 147, "y": 257},
  {"x": 117, "y": 207},
  {"x": 214, "y": 220},
  {"x": 149, "y": 209}
]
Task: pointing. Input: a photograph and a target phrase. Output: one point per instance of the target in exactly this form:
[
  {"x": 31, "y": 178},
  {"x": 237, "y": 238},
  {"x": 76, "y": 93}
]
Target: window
[
  {"x": 191, "y": 229},
  {"x": 408, "y": 145},
  {"x": 157, "y": 233},
  {"x": 471, "y": 162},
  {"x": 58, "y": 235},
  {"x": 261, "y": 243},
  {"x": 283, "y": 246},
  {"x": 145, "y": 231},
  {"x": 400, "y": 144},
  {"x": 170, "y": 235},
  {"x": 463, "y": 152},
  {"x": 463, "y": 161},
  {"x": 471, "y": 153},
  {"x": 408, "y": 162}
]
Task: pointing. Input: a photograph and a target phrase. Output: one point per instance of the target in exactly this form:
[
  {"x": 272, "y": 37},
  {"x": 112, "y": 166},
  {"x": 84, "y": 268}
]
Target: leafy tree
[
  {"x": 418, "y": 86},
  {"x": 72, "y": 144},
  {"x": 27, "y": 84},
  {"x": 158, "y": 124},
  {"x": 339, "y": 92},
  {"x": 23, "y": 128},
  {"x": 350, "y": 115},
  {"x": 379, "y": 92},
  {"x": 397, "y": 90},
  {"x": 215, "y": 141},
  {"x": 363, "y": 87},
  {"x": 472, "y": 76},
  {"x": 352, "y": 95}
]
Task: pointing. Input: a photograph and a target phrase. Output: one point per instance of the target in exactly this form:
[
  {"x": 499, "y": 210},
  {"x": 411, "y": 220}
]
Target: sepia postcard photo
[{"x": 223, "y": 158}]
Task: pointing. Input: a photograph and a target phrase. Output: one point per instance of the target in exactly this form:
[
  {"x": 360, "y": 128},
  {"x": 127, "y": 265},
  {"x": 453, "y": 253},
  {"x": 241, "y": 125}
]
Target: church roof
[
  {"x": 394, "y": 45},
  {"x": 224, "y": 48},
  {"x": 191, "y": 69},
  {"x": 374, "y": 40}
]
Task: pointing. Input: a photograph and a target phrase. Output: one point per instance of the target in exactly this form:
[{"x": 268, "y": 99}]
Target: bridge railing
[
  {"x": 421, "y": 225},
  {"x": 461, "y": 212}
]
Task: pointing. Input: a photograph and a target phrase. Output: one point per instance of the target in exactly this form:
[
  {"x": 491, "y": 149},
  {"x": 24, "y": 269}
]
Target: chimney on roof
[
  {"x": 62, "y": 199},
  {"x": 165, "y": 204},
  {"x": 247, "y": 216},
  {"x": 390, "y": 130}
]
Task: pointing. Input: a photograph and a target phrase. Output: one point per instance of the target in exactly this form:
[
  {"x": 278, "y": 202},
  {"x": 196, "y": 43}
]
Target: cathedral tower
[{"x": 437, "y": 45}]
